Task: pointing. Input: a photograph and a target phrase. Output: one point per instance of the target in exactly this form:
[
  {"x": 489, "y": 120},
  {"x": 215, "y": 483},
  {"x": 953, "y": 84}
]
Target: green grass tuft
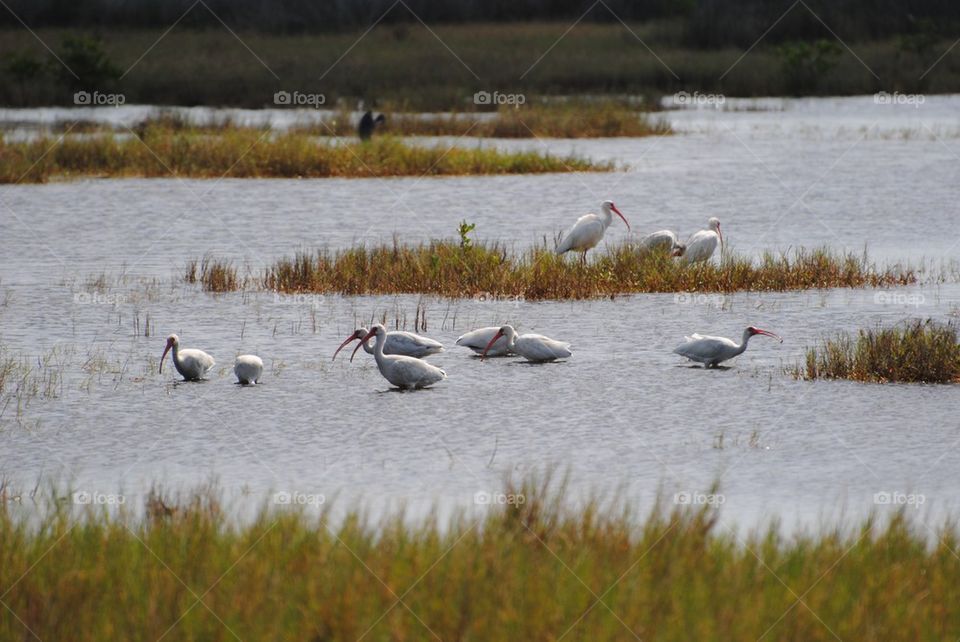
[
  {"x": 249, "y": 153},
  {"x": 447, "y": 269},
  {"x": 917, "y": 352}
]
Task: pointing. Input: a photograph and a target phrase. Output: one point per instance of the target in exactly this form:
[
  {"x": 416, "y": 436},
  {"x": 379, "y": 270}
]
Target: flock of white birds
[{"x": 400, "y": 355}]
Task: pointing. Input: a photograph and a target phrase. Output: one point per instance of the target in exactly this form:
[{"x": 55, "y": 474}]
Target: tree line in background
[{"x": 705, "y": 23}]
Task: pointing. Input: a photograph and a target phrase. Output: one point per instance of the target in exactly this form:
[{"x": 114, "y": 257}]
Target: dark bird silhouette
[{"x": 368, "y": 124}]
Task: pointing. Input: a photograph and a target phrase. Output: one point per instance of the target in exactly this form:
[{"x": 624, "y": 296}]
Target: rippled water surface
[{"x": 623, "y": 413}]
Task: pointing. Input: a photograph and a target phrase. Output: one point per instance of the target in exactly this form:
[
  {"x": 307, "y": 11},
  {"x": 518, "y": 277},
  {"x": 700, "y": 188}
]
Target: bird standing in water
[{"x": 368, "y": 124}]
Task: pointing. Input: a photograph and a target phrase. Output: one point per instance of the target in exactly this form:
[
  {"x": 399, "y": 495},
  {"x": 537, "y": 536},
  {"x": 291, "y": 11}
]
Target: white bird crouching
[
  {"x": 533, "y": 347},
  {"x": 248, "y": 368},
  {"x": 398, "y": 342},
  {"x": 479, "y": 339},
  {"x": 711, "y": 351}
]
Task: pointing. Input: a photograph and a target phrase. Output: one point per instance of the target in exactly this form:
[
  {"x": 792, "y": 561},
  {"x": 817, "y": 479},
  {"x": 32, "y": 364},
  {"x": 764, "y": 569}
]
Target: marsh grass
[
  {"x": 445, "y": 269},
  {"x": 542, "y": 569},
  {"x": 914, "y": 352},
  {"x": 568, "y": 119},
  {"x": 161, "y": 151}
]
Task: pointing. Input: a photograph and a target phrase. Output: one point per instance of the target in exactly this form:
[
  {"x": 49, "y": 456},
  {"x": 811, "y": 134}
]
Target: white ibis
[
  {"x": 407, "y": 344},
  {"x": 402, "y": 371},
  {"x": 533, "y": 347},
  {"x": 479, "y": 339},
  {"x": 713, "y": 350},
  {"x": 701, "y": 245},
  {"x": 248, "y": 368},
  {"x": 589, "y": 230},
  {"x": 662, "y": 241},
  {"x": 192, "y": 365}
]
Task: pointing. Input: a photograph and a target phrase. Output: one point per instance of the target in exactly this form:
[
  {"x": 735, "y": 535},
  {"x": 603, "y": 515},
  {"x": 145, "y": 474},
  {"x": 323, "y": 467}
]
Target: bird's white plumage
[
  {"x": 702, "y": 244},
  {"x": 407, "y": 344},
  {"x": 402, "y": 371},
  {"x": 589, "y": 229},
  {"x": 248, "y": 368},
  {"x": 710, "y": 350},
  {"x": 662, "y": 240},
  {"x": 534, "y": 347},
  {"x": 398, "y": 342},
  {"x": 478, "y": 339},
  {"x": 192, "y": 364}
]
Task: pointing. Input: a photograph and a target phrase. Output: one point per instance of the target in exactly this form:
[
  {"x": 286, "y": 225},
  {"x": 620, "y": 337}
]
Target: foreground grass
[
  {"x": 537, "y": 571},
  {"x": 920, "y": 351},
  {"x": 244, "y": 153},
  {"x": 447, "y": 269}
]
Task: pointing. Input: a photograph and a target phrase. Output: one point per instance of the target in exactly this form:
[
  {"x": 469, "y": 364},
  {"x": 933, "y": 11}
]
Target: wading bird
[
  {"x": 713, "y": 350},
  {"x": 407, "y": 344},
  {"x": 368, "y": 124},
  {"x": 533, "y": 347},
  {"x": 589, "y": 230},
  {"x": 701, "y": 245},
  {"x": 403, "y": 372},
  {"x": 191, "y": 364},
  {"x": 662, "y": 241},
  {"x": 248, "y": 368},
  {"x": 478, "y": 339}
]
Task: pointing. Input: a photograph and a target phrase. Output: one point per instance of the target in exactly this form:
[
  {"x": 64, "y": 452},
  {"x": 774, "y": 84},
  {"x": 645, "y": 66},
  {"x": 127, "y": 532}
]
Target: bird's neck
[
  {"x": 744, "y": 342},
  {"x": 607, "y": 218}
]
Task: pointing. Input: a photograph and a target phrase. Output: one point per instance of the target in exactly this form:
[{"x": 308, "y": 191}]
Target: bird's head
[
  {"x": 504, "y": 331},
  {"x": 376, "y": 331},
  {"x": 714, "y": 224},
  {"x": 608, "y": 206},
  {"x": 380, "y": 119},
  {"x": 356, "y": 334},
  {"x": 172, "y": 342}
]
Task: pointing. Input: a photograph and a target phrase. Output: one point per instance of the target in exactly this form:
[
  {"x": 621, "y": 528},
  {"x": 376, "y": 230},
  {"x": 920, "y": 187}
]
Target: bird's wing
[
  {"x": 539, "y": 347},
  {"x": 703, "y": 347},
  {"x": 662, "y": 238},
  {"x": 478, "y": 338},
  {"x": 586, "y": 227},
  {"x": 700, "y": 245}
]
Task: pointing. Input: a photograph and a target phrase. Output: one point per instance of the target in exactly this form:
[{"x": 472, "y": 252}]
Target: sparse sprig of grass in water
[
  {"x": 449, "y": 269},
  {"x": 533, "y": 568},
  {"x": 249, "y": 153},
  {"x": 915, "y": 352}
]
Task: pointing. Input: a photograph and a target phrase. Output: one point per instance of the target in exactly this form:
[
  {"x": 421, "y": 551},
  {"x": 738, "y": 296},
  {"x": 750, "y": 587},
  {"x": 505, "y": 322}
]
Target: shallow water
[{"x": 623, "y": 412}]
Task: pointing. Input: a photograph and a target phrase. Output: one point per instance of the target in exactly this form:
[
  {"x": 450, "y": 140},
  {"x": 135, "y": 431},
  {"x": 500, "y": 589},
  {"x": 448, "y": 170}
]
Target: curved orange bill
[
  {"x": 360, "y": 345},
  {"x": 770, "y": 334},
  {"x": 720, "y": 234},
  {"x": 352, "y": 337},
  {"x": 620, "y": 214},
  {"x": 165, "y": 351},
  {"x": 497, "y": 336}
]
